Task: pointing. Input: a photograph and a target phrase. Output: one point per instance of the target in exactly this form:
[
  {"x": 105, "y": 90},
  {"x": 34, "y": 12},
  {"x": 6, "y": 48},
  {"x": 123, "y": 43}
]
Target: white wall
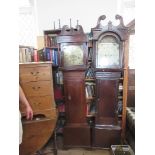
[
  {"x": 45, "y": 12},
  {"x": 86, "y": 11}
]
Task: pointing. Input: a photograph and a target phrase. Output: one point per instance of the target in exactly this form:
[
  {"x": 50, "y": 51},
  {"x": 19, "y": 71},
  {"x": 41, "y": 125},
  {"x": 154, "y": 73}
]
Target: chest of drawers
[{"x": 36, "y": 81}]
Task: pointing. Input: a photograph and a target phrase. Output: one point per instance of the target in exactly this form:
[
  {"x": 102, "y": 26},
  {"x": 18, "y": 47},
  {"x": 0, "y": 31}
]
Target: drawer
[
  {"x": 34, "y": 73},
  {"x": 39, "y": 103},
  {"x": 41, "y": 88}
]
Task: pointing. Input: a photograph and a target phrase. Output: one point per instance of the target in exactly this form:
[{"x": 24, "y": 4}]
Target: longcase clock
[
  {"x": 108, "y": 61},
  {"x": 73, "y": 45}
]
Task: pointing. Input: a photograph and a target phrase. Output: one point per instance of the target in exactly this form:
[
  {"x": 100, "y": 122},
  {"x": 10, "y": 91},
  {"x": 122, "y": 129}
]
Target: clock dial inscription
[
  {"x": 108, "y": 53},
  {"x": 73, "y": 55}
]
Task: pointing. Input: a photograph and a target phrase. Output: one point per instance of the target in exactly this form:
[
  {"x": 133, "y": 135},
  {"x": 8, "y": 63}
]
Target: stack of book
[
  {"x": 25, "y": 54},
  {"x": 50, "y": 40},
  {"x": 29, "y": 54}
]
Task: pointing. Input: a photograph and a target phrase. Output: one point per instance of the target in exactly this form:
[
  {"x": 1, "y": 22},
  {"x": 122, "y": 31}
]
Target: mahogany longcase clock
[
  {"x": 73, "y": 45},
  {"x": 108, "y": 61}
]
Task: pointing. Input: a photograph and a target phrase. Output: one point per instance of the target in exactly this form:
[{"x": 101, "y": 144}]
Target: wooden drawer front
[
  {"x": 39, "y": 103},
  {"x": 41, "y": 88},
  {"x": 32, "y": 73}
]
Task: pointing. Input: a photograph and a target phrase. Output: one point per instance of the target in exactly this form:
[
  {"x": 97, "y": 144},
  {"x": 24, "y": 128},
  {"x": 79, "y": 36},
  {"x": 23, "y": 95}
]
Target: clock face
[
  {"x": 73, "y": 55},
  {"x": 107, "y": 54}
]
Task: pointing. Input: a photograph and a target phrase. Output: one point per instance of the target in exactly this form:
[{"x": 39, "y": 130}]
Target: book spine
[
  {"x": 56, "y": 57},
  {"x": 28, "y": 55},
  {"x": 40, "y": 55},
  {"x": 32, "y": 55},
  {"x": 35, "y": 55},
  {"x": 24, "y": 55},
  {"x": 44, "y": 54},
  {"x": 53, "y": 56},
  {"x": 48, "y": 54},
  {"x": 20, "y": 56}
]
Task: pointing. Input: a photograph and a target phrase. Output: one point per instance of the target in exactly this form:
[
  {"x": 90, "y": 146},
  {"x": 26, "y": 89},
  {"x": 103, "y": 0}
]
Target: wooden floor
[
  {"x": 78, "y": 152},
  {"x": 48, "y": 150}
]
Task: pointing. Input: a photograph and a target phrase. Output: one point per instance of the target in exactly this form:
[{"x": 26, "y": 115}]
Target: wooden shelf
[
  {"x": 55, "y": 65},
  {"x": 90, "y": 98},
  {"x": 119, "y": 116},
  {"x": 120, "y": 97},
  {"x": 53, "y": 46},
  {"x": 87, "y": 80},
  {"x": 90, "y": 115}
]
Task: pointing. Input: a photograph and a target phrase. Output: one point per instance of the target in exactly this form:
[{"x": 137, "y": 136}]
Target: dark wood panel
[
  {"x": 107, "y": 92},
  {"x": 131, "y": 88},
  {"x": 75, "y": 101},
  {"x": 105, "y": 137},
  {"x": 77, "y": 135}
]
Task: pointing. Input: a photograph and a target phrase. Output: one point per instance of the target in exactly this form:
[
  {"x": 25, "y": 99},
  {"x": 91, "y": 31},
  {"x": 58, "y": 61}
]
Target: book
[
  {"x": 35, "y": 55},
  {"x": 28, "y": 55},
  {"x": 40, "y": 55}
]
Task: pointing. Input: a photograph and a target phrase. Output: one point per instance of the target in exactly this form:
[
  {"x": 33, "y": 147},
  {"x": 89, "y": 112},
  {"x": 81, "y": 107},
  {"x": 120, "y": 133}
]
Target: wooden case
[
  {"x": 77, "y": 135},
  {"x": 110, "y": 61},
  {"x": 37, "y": 84},
  {"x": 105, "y": 136}
]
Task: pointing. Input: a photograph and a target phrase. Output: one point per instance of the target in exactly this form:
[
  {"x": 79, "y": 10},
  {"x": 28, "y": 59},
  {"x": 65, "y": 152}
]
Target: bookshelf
[
  {"x": 52, "y": 47},
  {"x": 90, "y": 85},
  {"x": 59, "y": 99},
  {"x": 90, "y": 92}
]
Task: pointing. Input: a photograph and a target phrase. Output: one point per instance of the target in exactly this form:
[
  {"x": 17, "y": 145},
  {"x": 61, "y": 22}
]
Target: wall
[
  {"x": 86, "y": 11},
  {"x": 45, "y": 12}
]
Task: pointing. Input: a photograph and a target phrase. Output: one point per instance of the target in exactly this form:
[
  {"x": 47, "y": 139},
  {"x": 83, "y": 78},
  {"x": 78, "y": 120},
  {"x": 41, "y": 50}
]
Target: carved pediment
[
  {"x": 70, "y": 34},
  {"x": 120, "y": 29}
]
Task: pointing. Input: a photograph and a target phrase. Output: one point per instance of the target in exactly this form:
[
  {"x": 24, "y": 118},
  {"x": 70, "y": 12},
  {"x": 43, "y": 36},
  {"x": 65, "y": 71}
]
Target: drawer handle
[
  {"x": 36, "y": 88},
  {"x": 34, "y": 73},
  {"x": 37, "y": 103}
]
